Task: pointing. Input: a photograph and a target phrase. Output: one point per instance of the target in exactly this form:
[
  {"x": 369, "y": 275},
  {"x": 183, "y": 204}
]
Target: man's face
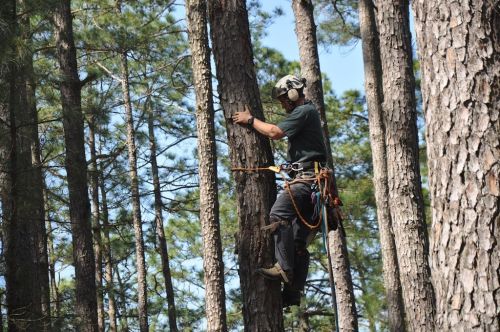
[{"x": 286, "y": 103}]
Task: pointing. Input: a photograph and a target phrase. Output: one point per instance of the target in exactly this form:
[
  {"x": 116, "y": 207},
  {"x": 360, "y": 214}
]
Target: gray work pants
[{"x": 291, "y": 237}]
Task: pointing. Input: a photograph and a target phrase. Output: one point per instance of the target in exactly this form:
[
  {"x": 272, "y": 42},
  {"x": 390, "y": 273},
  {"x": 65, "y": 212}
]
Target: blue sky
[{"x": 343, "y": 65}]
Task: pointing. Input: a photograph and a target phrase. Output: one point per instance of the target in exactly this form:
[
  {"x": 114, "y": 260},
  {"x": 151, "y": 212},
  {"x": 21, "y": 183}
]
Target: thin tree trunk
[
  {"x": 213, "y": 265},
  {"x": 459, "y": 56},
  {"x": 160, "y": 232},
  {"x": 374, "y": 98},
  {"x": 96, "y": 219},
  {"x": 305, "y": 29},
  {"x": 142, "y": 305},
  {"x": 124, "y": 316},
  {"x": 55, "y": 299},
  {"x": 108, "y": 258},
  {"x": 405, "y": 192},
  {"x": 255, "y": 192},
  {"x": 19, "y": 211},
  {"x": 76, "y": 169}
]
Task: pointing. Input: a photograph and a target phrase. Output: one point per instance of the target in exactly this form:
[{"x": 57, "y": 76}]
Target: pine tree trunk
[
  {"x": 405, "y": 192},
  {"x": 108, "y": 258},
  {"x": 76, "y": 169},
  {"x": 96, "y": 219},
  {"x": 55, "y": 298},
  {"x": 160, "y": 232},
  {"x": 305, "y": 29},
  {"x": 37, "y": 196},
  {"x": 374, "y": 98},
  {"x": 124, "y": 315},
  {"x": 459, "y": 56},
  {"x": 142, "y": 305},
  {"x": 255, "y": 191},
  {"x": 18, "y": 210},
  {"x": 207, "y": 160}
]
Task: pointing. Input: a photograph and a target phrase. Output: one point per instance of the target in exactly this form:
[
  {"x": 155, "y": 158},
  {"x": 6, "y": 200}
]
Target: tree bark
[
  {"x": 76, "y": 169},
  {"x": 305, "y": 29},
  {"x": 24, "y": 310},
  {"x": 459, "y": 55},
  {"x": 108, "y": 257},
  {"x": 142, "y": 304},
  {"x": 38, "y": 185},
  {"x": 96, "y": 220},
  {"x": 213, "y": 265},
  {"x": 374, "y": 98},
  {"x": 256, "y": 192},
  {"x": 405, "y": 192},
  {"x": 160, "y": 230}
]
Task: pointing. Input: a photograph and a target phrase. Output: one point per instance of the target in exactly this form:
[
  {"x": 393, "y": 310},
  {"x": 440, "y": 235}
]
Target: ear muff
[{"x": 293, "y": 94}]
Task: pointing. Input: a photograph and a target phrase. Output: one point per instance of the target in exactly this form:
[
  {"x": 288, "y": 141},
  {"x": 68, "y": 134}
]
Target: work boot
[
  {"x": 275, "y": 273},
  {"x": 290, "y": 297}
]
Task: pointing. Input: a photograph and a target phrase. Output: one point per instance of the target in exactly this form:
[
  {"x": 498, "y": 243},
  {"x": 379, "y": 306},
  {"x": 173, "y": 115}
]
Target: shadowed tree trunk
[
  {"x": 207, "y": 160},
  {"x": 76, "y": 169},
  {"x": 160, "y": 231},
  {"x": 305, "y": 29},
  {"x": 24, "y": 311},
  {"x": 36, "y": 190},
  {"x": 256, "y": 192},
  {"x": 405, "y": 192},
  {"x": 374, "y": 99},
  {"x": 459, "y": 55}
]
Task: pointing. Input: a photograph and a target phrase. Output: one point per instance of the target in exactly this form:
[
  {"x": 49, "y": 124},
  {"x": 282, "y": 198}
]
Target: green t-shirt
[{"x": 305, "y": 136}]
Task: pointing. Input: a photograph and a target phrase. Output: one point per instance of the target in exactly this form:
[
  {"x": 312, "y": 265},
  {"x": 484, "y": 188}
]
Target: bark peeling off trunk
[{"x": 459, "y": 53}]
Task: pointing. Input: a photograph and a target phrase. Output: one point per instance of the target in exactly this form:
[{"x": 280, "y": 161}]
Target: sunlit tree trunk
[
  {"x": 374, "y": 99},
  {"x": 256, "y": 192},
  {"x": 207, "y": 161},
  {"x": 405, "y": 192},
  {"x": 458, "y": 45},
  {"x": 305, "y": 29}
]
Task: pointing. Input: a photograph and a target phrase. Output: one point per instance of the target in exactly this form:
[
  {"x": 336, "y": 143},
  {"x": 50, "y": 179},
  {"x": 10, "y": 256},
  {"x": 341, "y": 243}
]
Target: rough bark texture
[
  {"x": 107, "y": 257},
  {"x": 405, "y": 194},
  {"x": 374, "y": 98},
  {"x": 142, "y": 305},
  {"x": 255, "y": 191},
  {"x": 36, "y": 174},
  {"x": 96, "y": 222},
  {"x": 459, "y": 54},
  {"x": 341, "y": 270},
  {"x": 305, "y": 29},
  {"x": 76, "y": 169},
  {"x": 160, "y": 232},
  {"x": 213, "y": 265},
  {"x": 19, "y": 229}
]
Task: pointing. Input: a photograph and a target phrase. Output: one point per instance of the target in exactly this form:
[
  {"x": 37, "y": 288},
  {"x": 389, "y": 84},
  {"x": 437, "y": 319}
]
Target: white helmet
[{"x": 290, "y": 85}]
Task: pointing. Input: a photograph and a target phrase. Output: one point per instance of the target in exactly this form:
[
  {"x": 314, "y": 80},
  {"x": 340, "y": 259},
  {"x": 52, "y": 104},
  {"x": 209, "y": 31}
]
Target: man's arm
[{"x": 268, "y": 129}]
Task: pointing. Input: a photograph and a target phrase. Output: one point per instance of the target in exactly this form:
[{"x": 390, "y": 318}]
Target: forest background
[{"x": 137, "y": 117}]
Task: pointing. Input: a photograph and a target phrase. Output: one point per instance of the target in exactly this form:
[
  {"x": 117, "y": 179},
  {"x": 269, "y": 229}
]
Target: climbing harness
[
  {"x": 326, "y": 202},
  {"x": 326, "y": 208}
]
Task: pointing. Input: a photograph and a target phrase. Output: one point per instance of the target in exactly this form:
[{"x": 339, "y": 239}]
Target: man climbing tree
[{"x": 291, "y": 218}]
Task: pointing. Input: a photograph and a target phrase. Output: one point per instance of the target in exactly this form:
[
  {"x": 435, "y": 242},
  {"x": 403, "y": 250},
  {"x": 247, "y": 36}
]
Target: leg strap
[{"x": 273, "y": 226}]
